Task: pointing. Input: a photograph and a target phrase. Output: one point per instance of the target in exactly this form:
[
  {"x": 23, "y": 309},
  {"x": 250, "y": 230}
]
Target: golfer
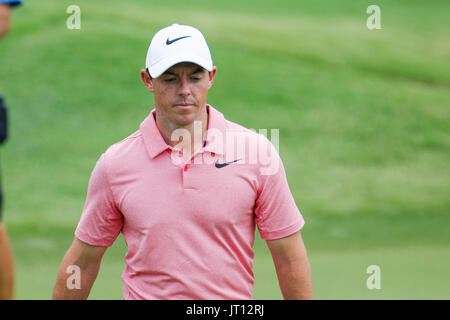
[
  {"x": 6, "y": 256},
  {"x": 185, "y": 201}
]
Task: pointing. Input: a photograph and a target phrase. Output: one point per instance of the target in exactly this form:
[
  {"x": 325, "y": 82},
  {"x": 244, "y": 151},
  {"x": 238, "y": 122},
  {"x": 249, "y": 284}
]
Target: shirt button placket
[{"x": 185, "y": 172}]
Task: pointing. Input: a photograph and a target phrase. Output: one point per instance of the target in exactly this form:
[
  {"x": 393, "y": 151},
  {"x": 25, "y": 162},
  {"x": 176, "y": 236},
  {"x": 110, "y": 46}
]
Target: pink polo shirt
[{"x": 189, "y": 227}]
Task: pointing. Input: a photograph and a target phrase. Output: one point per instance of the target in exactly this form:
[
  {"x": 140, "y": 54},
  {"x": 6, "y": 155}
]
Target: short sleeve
[
  {"x": 277, "y": 214},
  {"x": 101, "y": 221}
]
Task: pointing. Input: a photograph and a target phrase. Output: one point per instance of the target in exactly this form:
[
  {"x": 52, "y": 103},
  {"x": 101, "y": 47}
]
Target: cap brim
[{"x": 161, "y": 66}]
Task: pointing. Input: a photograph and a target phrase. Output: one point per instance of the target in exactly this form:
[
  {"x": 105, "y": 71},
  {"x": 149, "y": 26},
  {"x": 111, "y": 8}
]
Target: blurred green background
[{"x": 364, "y": 119}]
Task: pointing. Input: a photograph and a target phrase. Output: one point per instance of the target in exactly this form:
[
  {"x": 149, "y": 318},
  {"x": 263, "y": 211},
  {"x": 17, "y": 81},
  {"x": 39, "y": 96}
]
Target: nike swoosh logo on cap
[
  {"x": 169, "y": 42},
  {"x": 221, "y": 165}
]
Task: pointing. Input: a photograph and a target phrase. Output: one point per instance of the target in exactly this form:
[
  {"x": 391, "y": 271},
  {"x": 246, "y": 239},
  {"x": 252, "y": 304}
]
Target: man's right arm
[
  {"x": 4, "y": 18},
  {"x": 86, "y": 258}
]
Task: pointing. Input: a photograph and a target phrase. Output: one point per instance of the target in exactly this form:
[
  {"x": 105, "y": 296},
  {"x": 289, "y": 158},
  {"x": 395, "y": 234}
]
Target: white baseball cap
[{"x": 175, "y": 44}]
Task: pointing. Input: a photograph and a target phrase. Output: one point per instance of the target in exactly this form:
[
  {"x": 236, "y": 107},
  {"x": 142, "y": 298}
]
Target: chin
[
  {"x": 187, "y": 115},
  {"x": 185, "y": 119}
]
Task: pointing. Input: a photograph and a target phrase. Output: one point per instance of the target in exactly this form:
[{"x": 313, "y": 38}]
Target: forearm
[
  {"x": 76, "y": 276},
  {"x": 65, "y": 289},
  {"x": 292, "y": 266},
  {"x": 295, "y": 280},
  {"x": 6, "y": 266},
  {"x": 4, "y": 18}
]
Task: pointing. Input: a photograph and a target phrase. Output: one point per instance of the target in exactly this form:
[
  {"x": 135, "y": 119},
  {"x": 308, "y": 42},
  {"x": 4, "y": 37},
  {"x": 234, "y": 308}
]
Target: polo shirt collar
[
  {"x": 216, "y": 121},
  {"x": 155, "y": 143}
]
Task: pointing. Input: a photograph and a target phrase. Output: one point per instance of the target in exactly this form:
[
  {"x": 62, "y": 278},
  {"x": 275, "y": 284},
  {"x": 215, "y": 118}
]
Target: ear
[
  {"x": 148, "y": 82},
  {"x": 212, "y": 74}
]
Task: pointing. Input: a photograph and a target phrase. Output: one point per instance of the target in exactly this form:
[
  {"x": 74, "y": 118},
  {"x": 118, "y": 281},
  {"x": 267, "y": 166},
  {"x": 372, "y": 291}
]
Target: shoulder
[
  {"x": 126, "y": 151},
  {"x": 260, "y": 137},
  {"x": 234, "y": 130},
  {"x": 125, "y": 144},
  {"x": 230, "y": 125},
  {"x": 260, "y": 152}
]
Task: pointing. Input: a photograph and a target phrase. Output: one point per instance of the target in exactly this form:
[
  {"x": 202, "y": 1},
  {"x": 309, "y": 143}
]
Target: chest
[{"x": 156, "y": 197}]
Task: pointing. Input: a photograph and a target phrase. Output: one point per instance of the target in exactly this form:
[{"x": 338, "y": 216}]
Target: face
[{"x": 180, "y": 93}]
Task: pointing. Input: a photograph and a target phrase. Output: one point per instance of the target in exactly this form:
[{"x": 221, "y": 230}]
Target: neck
[{"x": 196, "y": 130}]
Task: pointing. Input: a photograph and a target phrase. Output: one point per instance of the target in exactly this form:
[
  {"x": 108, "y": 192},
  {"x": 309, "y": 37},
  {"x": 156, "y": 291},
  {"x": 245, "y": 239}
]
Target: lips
[{"x": 184, "y": 106}]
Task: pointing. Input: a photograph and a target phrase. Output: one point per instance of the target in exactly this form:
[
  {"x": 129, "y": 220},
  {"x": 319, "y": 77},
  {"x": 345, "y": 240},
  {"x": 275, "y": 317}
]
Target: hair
[{"x": 148, "y": 72}]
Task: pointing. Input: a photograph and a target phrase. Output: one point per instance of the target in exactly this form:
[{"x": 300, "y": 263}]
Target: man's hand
[
  {"x": 87, "y": 259},
  {"x": 292, "y": 267},
  {"x": 4, "y": 18}
]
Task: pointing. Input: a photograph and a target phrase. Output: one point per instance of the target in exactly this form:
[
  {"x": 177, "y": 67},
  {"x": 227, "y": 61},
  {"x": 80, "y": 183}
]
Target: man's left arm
[
  {"x": 4, "y": 18},
  {"x": 292, "y": 267}
]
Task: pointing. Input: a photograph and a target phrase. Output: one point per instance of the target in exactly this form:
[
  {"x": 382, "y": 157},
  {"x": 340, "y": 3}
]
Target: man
[
  {"x": 6, "y": 257},
  {"x": 186, "y": 205}
]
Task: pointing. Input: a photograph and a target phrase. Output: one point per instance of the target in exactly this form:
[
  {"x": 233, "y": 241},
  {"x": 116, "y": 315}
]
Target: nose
[{"x": 184, "y": 88}]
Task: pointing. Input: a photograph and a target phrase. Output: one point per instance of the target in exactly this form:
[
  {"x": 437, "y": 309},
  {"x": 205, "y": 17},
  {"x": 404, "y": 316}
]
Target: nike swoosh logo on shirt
[
  {"x": 169, "y": 42},
  {"x": 221, "y": 165}
]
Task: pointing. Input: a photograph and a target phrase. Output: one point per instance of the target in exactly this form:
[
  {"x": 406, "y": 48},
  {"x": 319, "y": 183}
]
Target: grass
[{"x": 363, "y": 115}]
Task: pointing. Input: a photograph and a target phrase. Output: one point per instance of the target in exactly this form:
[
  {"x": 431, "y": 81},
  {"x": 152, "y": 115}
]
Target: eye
[
  {"x": 169, "y": 79},
  {"x": 196, "y": 78}
]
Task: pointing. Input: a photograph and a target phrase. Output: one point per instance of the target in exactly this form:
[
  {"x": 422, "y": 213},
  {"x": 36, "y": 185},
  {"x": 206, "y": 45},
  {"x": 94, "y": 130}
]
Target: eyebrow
[
  {"x": 168, "y": 73},
  {"x": 198, "y": 70}
]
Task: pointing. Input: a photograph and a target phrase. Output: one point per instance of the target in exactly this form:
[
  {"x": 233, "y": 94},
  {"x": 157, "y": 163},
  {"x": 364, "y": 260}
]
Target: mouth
[{"x": 184, "y": 106}]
